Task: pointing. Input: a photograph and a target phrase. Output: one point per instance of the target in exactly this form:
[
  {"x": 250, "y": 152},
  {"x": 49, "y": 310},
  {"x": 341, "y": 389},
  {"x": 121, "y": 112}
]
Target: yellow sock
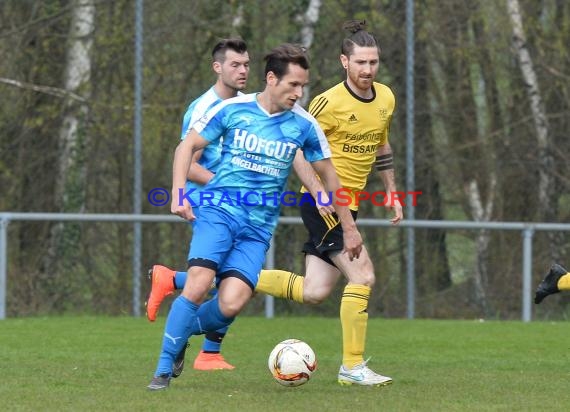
[
  {"x": 354, "y": 321},
  {"x": 281, "y": 284},
  {"x": 564, "y": 282}
]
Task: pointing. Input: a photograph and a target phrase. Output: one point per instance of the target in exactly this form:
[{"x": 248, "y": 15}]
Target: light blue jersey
[
  {"x": 211, "y": 155},
  {"x": 258, "y": 149}
]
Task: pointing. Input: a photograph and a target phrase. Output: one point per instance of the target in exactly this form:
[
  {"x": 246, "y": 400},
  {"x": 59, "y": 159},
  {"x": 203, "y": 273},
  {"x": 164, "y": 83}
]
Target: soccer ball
[{"x": 292, "y": 362}]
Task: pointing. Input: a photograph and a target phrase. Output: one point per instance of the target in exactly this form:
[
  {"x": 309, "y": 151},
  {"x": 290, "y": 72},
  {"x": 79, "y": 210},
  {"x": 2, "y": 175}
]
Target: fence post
[
  {"x": 137, "y": 157},
  {"x": 3, "y": 264},
  {"x": 410, "y": 171},
  {"x": 527, "y": 276},
  {"x": 270, "y": 264}
]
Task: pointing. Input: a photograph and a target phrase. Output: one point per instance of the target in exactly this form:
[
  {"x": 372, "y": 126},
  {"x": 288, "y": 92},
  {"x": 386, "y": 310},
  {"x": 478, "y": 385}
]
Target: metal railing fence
[{"x": 527, "y": 231}]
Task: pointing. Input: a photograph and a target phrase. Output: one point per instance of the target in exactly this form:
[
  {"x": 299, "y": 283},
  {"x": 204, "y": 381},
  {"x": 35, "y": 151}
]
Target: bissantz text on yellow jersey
[{"x": 369, "y": 148}]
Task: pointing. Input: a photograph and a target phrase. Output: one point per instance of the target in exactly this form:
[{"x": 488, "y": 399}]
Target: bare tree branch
[{"x": 53, "y": 91}]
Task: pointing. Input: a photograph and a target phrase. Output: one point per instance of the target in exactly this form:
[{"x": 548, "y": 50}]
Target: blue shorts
[{"x": 231, "y": 247}]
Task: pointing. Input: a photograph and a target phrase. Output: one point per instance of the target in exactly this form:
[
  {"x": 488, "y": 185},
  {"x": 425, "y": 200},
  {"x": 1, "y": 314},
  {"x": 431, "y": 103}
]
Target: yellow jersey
[{"x": 355, "y": 128}]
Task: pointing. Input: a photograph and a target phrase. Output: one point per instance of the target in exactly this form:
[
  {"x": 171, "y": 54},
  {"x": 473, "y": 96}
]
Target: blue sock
[
  {"x": 177, "y": 330},
  {"x": 180, "y": 279},
  {"x": 213, "y": 340},
  {"x": 210, "y": 318}
]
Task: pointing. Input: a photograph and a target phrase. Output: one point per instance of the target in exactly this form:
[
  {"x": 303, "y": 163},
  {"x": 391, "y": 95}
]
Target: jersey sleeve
[
  {"x": 185, "y": 122},
  {"x": 316, "y": 146},
  {"x": 212, "y": 125},
  {"x": 318, "y": 108},
  {"x": 391, "y": 104}
]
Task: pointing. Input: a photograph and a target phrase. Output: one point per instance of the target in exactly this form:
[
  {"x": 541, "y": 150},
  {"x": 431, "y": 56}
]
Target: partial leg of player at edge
[
  {"x": 165, "y": 281},
  {"x": 557, "y": 279}
]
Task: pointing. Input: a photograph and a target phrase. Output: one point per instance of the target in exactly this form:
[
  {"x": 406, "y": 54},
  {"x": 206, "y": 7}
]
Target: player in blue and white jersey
[
  {"x": 261, "y": 134},
  {"x": 231, "y": 64},
  {"x": 230, "y": 61}
]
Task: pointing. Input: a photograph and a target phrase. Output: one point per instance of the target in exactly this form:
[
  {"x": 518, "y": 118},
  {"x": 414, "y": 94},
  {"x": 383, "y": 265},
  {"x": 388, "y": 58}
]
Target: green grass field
[{"x": 104, "y": 364}]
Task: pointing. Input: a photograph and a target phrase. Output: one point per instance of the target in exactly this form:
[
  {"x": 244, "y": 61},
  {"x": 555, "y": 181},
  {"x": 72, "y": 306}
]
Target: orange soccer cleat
[
  {"x": 211, "y": 362},
  {"x": 161, "y": 285}
]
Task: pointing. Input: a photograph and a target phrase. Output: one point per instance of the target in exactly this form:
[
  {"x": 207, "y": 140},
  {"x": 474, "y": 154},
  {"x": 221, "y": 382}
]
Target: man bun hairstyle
[
  {"x": 354, "y": 26},
  {"x": 358, "y": 37}
]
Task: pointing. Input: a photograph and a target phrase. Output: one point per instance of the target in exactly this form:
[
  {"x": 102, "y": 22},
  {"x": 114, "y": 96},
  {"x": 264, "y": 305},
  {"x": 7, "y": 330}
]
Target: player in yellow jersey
[
  {"x": 557, "y": 279},
  {"x": 355, "y": 116}
]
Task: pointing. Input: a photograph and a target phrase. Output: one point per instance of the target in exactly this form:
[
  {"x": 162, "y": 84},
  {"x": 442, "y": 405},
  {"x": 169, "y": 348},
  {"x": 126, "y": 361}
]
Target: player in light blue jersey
[
  {"x": 261, "y": 135},
  {"x": 231, "y": 64}
]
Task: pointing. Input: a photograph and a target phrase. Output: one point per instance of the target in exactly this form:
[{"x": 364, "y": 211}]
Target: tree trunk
[
  {"x": 546, "y": 188},
  {"x": 309, "y": 19},
  {"x": 482, "y": 207},
  {"x": 481, "y": 213},
  {"x": 70, "y": 179},
  {"x": 434, "y": 274},
  {"x": 237, "y": 19}
]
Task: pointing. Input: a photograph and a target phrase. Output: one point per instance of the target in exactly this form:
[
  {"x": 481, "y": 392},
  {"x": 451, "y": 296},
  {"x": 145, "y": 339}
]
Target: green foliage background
[{"x": 473, "y": 121}]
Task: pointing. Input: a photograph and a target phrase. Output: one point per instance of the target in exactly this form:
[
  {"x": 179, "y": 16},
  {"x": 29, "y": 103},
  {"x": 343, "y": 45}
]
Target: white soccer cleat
[{"x": 362, "y": 375}]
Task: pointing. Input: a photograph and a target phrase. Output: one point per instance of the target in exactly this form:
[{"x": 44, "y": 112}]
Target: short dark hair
[
  {"x": 278, "y": 59},
  {"x": 221, "y": 47},
  {"x": 358, "y": 37}
]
